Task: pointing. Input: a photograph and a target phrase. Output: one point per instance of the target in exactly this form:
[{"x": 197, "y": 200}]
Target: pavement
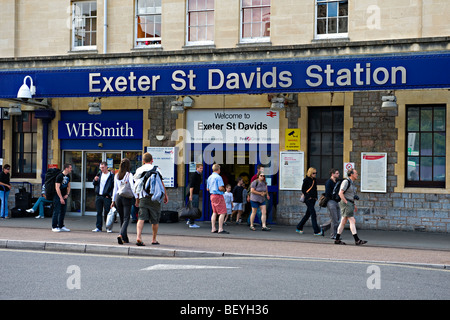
[{"x": 178, "y": 240}]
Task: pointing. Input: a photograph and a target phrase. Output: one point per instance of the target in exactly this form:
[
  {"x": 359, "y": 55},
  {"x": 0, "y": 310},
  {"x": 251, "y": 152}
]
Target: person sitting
[{"x": 39, "y": 205}]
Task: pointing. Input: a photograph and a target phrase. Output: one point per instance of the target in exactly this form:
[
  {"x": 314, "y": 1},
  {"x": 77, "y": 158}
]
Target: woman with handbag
[
  {"x": 123, "y": 197},
  {"x": 309, "y": 190}
]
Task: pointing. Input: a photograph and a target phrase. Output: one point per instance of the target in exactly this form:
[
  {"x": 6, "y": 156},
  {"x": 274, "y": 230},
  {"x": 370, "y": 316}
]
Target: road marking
[{"x": 184, "y": 267}]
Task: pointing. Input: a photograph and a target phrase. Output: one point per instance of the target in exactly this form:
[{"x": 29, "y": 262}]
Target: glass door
[{"x": 92, "y": 164}]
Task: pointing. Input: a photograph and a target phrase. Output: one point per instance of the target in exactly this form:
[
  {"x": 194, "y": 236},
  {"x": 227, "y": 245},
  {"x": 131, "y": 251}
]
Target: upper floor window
[
  {"x": 148, "y": 23},
  {"x": 255, "y": 20},
  {"x": 84, "y": 25},
  {"x": 24, "y": 146},
  {"x": 200, "y": 21},
  {"x": 426, "y": 149},
  {"x": 331, "y": 19}
]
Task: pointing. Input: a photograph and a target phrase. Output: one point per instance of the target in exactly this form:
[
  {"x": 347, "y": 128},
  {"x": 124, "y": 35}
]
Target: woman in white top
[{"x": 123, "y": 197}]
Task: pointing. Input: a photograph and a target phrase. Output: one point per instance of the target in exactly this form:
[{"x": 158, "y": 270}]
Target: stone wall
[{"x": 374, "y": 130}]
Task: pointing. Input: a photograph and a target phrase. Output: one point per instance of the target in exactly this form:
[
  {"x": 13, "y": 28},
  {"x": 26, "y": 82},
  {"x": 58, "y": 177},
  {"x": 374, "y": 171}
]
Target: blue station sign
[{"x": 347, "y": 73}]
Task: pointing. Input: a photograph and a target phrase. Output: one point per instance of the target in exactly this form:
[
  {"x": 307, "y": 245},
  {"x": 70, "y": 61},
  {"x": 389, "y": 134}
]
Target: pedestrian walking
[
  {"x": 39, "y": 205},
  {"x": 149, "y": 209},
  {"x": 238, "y": 200},
  {"x": 123, "y": 198},
  {"x": 5, "y": 188},
  {"x": 347, "y": 193},
  {"x": 195, "y": 180},
  {"x": 258, "y": 194},
  {"x": 309, "y": 189},
  {"x": 216, "y": 188},
  {"x": 62, "y": 187},
  {"x": 103, "y": 186},
  {"x": 332, "y": 206}
]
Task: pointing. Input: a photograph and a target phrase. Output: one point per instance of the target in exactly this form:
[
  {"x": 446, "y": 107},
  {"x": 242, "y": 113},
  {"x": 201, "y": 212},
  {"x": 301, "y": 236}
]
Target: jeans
[
  {"x": 123, "y": 206},
  {"x": 194, "y": 203},
  {"x": 59, "y": 212},
  {"x": 310, "y": 212},
  {"x": 39, "y": 205},
  {"x": 102, "y": 204},
  {"x": 4, "y": 198}
]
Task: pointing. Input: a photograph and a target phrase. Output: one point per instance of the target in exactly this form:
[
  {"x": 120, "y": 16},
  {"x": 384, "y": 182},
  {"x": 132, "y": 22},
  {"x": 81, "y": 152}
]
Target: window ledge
[{"x": 94, "y": 51}]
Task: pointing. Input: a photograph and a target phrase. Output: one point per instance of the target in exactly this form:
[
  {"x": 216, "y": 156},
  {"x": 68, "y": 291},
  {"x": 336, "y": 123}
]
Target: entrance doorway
[
  {"x": 236, "y": 160},
  {"x": 85, "y": 166}
]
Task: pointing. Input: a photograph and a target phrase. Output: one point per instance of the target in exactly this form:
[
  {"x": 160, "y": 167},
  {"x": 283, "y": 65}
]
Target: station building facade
[{"x": 287, "y": 84}]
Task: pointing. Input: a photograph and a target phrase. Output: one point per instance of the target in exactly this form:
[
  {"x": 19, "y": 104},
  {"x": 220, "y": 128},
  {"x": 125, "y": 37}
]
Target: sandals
[
  {"x": 140, "y": 243},
  {"x": 265, "y": 229},
  {"x": 252, "y": 228}
]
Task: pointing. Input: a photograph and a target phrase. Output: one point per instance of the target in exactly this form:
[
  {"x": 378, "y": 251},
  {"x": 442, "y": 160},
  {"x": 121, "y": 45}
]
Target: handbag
[
  {"x": 323, "y": 200},
  {"x": 110, "y": 218},
  {"x": 302, "y": 197},
  {"x": 189, "y": 212}
]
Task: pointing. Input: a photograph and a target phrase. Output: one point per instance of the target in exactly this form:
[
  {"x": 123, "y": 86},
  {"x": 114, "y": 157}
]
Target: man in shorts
[
  {"x": 216, "y": 188},
  {"x": 347, "y": 193},
  {"x": 148, "y": 209}
]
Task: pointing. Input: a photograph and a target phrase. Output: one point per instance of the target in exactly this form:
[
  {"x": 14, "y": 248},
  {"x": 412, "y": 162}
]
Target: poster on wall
[
  {"x": 373, "y": 171},
  {"x": 292, "y": 170},
  {"x": 165, "y": 159}
]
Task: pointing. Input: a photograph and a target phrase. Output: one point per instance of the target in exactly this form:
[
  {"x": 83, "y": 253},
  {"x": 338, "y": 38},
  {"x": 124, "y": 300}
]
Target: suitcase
[{"x": 168, "y": 217}]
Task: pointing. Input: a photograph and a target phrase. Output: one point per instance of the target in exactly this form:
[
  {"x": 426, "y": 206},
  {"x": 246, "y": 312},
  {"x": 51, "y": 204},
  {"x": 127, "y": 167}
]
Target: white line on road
[{"x": 183, "y": 267}]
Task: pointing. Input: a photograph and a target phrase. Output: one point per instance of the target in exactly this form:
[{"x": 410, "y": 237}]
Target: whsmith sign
[{"x": 349, "y": 73}]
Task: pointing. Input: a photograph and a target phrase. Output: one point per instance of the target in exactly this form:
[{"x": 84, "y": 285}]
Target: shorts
[
  {"x": 256, "y": 204},
  {"x": 149, "y": 210},
  {"x": 218, "y": 204},
  {"x": 229, "y": 211},
  {"x": 347, "y": 209},
  {"x": 237, "y": 206}
]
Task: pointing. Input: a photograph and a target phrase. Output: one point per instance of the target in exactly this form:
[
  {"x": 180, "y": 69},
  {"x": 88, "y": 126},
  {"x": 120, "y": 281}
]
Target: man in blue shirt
[{"x": 216, "y": 188}]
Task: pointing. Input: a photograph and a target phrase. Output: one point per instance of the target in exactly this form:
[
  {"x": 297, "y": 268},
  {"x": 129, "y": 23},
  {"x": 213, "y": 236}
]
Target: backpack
[
  {"x": 152, "y": 184},
  {"x": 49, "y": 182},
  {"x": 336, "y": 189}
]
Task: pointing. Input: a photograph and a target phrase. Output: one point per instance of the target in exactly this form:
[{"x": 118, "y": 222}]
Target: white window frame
[
  {"x": 76, "y": 21},
  {"x": 328, "y": 35},
  {"x": 139, "y": 43},
  {"x": 201, "y": 42},
  {"x": 241, "y": 29}
]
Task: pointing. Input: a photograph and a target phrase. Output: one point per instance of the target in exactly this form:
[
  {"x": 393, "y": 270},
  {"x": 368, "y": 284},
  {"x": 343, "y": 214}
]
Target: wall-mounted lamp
[
  {"x": 15, "y": 110},
  {"x": 277, "y": 104},
  {"x": 95, "y": 108},
  {"x": 160, "y": 137},
  {"x": 188, "y": 102},
  {"x": 26, "y": 92},
  {"x": 389, "y": 102},
  {"x": 177, "y": 107}
]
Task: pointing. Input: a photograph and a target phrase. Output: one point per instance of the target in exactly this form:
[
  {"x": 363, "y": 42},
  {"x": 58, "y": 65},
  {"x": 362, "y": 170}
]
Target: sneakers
[
  {"x": 39, "y": 217},
  {"x": 194, "y": 226},
  {"x": 299, "y": 231},
  {"x": 96, "y": 230},
  {"x": 30, "y": 210},
  {"x": 63, "y": 229},
  {"x": 56, "y": 229}
]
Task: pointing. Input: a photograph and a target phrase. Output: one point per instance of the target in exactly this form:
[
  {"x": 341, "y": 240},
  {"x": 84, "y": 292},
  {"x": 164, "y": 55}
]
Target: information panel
[
  {"x": 165, "y": 159},
  {"x": 373, "y": 171},
  {"x": 292, "y": 170}
]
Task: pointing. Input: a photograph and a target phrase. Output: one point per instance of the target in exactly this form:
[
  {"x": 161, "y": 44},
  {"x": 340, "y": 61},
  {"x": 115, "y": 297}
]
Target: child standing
[{"x": 228, "y": 196}]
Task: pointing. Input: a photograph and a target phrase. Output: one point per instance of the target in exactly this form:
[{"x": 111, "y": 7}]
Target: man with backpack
[
  {"x": 347, "y": 193},
  {"x": 149, "y": 206}
]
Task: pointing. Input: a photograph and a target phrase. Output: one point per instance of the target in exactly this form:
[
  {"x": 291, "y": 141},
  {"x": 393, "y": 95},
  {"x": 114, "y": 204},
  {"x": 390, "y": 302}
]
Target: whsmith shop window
[
  {"x": 24, "y": 146},
  {"x": 84, "y": 25},
  {"x": 148, "y": 23},
  {"x": 255, "y": 21},
  {"x": 200, "y": 17},
  {"x": 331, "y": 19},
  {"x": 426, "y": 146},
  {"x": 326, "y": 140}
]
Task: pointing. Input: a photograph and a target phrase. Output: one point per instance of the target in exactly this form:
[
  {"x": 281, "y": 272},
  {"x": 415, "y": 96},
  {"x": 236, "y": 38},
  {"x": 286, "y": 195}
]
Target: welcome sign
[
  {"x": 346, "y": 73},
  {"x": 248, "y": 126}
]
